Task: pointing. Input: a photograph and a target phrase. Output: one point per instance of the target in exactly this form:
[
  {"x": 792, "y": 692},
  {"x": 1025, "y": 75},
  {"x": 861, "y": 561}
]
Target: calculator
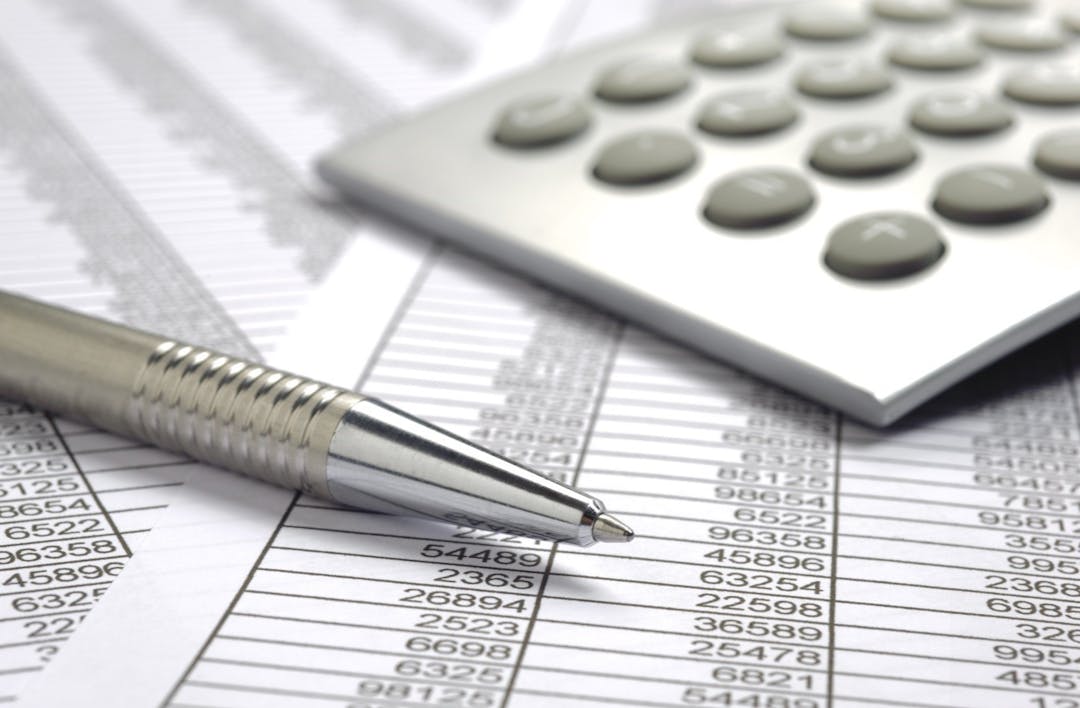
[{"x": 863, "y": 202}]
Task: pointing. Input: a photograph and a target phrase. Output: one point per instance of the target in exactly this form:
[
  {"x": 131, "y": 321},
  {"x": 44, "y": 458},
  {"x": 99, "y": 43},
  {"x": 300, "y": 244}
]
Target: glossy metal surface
[
  {"x": 61, "y": 361},
  {"x": 384, "y": 459},
  {"x": 761, "y": 300},
  {"x": 278, "y": 427},
  {"x": 216, "y": 408}
]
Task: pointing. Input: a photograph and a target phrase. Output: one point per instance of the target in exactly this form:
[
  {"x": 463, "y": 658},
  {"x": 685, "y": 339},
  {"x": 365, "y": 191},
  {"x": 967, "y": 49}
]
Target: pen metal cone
[{"x": 608, "y": 529}]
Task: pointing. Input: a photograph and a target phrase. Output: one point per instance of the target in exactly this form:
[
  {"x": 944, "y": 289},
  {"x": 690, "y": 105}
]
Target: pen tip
[{"x": 608, "y": 529}]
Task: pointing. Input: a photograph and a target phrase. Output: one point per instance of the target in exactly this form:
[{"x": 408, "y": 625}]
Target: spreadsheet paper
[
  {"x": 785, "y": 556},
  {"x": 155, "y": 170}
]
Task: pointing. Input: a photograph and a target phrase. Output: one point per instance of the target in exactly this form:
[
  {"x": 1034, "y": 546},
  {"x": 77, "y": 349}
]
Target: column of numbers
[
  {"x": 369, "y": 610},
  {"x": 995, "y": 484},
  {"x": 486, "y": 583},
  {"x": 58, "y": 551},
  {"x": 724, "y": 598}
]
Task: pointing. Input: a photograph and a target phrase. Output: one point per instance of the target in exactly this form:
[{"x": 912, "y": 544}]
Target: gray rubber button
[
  {"x": 960, "y": 112},
  {"x": 1071, "y": 18},
  {"x": 729, "y": 48},
  {"x": 882, "y": 246},
  {"x": 1022, "y": 35},
  {"x": 936, "y": 52},
  {"x": 644, "y": 157},
  {"x": 826, "y": 21},
  {"x": 842, "y": 78},
  {"x": 914, "y": 10},
  {"x": 1050, "y": 83},
  {"x": 862, "y": 151},
  {"x": 757, "y": 198},
  {"x": 999, "y": 4},
  {"x": 751, "y": 112},
  {"x": 643, "y": 79},
  {"x": 1058, "y": 154},
  {"x": 989, "y": 194},
  {"x": 541, "y": 120}
]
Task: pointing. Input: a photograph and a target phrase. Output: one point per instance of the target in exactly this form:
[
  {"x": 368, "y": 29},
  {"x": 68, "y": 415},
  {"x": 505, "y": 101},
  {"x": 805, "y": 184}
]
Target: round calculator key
[
  {"x": 990, "y": 194},
  {"x": 644, "y": 157},
  {"x": 842, "y": 78},
  {"x": 936, "y": 52},
  {"x": 751, "y": 112},
  {"x": 999, "y": 4},
  {"x": 731, "y": 48},
  {"x": 1022, "y": 36},
  {"x": 1070, "y": 18},
  {"x": 914, "y": 10},
  {"x": 1048, "y": 84},
  {"x": 642, "y": 80},
  {"x": 827, "y": 21},
  {"x": 960, "y": 113},
  {"x": 1058, "y": 154},
  {"x": 862, "y": 151},
  {"x": 757, "y": 198},
  {"x": 538, "y": 121},
  {"x": 883, "y": 246}
]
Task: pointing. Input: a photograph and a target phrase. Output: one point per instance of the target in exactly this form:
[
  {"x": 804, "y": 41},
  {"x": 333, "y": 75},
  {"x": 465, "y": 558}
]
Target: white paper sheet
[
  {"x": 785, "y": 557},
  {"x": 155, "y": 169}
]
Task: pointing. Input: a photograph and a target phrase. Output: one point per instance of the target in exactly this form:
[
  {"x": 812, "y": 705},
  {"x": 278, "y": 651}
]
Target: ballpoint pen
[{"x": 278, "y": 427}]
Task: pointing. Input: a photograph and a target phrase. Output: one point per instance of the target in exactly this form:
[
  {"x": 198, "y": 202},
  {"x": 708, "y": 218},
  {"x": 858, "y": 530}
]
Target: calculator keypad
[
  {"x": 765, "y": 196},
  {"x": 824, "y": 166}
]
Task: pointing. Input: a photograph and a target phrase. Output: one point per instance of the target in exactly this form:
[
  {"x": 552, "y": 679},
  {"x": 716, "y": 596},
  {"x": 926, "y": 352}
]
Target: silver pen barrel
[{"x": 278, "y": 427}]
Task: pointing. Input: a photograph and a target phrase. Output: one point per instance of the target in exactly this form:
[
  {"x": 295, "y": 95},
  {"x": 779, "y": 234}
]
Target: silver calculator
[{"x": 862, "y": 201}]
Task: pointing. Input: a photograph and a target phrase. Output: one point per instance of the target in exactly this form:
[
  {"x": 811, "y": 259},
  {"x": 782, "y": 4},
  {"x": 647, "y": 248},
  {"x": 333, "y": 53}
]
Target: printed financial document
[
  {"x": 784, "y": 557},
  {"x": 154, "y": 169}
]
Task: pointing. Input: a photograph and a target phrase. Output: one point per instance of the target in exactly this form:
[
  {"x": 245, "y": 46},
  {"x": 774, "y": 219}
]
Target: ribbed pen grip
[{"x": 237, "y": 414}]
